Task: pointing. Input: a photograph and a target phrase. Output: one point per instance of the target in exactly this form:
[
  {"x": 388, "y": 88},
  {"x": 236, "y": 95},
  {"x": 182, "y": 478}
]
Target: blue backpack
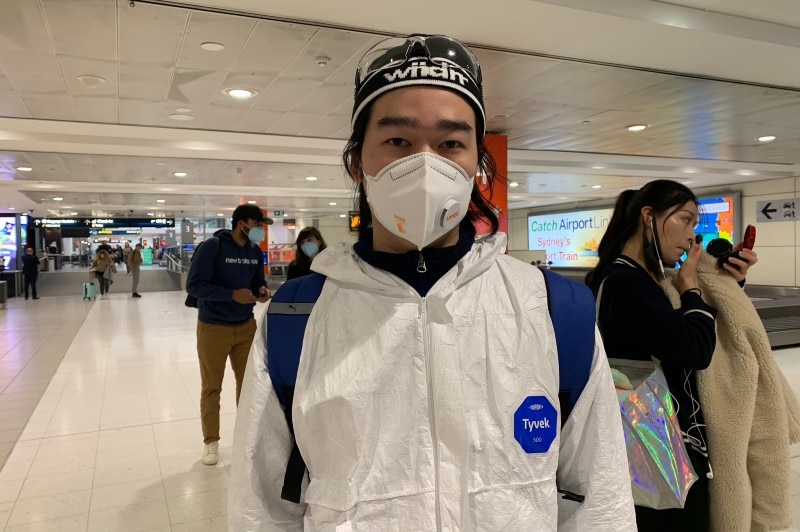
[{"x": 572, "y": 311}]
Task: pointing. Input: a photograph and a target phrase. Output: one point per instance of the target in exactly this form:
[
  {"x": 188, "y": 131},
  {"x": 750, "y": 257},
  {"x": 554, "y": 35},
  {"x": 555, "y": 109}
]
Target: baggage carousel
[{"x": 779, "y": 310}]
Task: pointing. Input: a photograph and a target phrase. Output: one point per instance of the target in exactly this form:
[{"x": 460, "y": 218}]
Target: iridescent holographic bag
[{"x": 660, "y": 469}]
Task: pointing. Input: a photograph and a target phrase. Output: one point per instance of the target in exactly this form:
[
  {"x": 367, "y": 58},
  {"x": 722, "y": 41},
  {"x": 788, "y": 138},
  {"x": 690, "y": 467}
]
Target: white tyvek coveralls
[{"x": 404, "y": 406}]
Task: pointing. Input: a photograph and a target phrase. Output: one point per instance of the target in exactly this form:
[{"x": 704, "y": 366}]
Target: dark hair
[
  {"x": 246, "y": 212},
  {"x": 662, "y": 195},
  {"x": 302, "y": 260},
  {"x": 479, "y": 207}
]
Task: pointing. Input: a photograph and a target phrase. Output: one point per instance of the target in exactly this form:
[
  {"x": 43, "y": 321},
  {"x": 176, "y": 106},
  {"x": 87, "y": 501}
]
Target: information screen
[
  {"x": 569, "y": 239},
  {"x": 718, "y": 218},
  {"x": 8, "y": 242}
]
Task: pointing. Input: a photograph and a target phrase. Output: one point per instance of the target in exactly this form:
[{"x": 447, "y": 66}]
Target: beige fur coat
[{"x": 750, "y": 411}]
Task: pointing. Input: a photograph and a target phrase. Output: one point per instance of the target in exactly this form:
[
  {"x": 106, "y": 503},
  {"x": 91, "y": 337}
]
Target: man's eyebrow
[{"x": 407, "y": 121}]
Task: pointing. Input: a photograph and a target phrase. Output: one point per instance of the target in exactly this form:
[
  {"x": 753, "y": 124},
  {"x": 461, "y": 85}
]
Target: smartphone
[{"x": 748, "y": 242}]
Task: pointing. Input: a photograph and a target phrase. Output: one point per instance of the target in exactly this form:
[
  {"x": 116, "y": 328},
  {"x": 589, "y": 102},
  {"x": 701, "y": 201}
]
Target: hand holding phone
[{"x": 723, "y": 249}]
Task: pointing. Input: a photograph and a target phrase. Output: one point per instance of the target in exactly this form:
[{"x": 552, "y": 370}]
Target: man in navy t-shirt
[{"x": 227, "y": 278}]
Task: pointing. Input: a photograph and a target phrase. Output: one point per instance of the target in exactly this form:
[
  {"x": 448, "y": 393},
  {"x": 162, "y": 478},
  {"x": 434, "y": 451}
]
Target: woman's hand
[
  {"x": 687, "y": 274},
  {"x": 738, "y": 267}
]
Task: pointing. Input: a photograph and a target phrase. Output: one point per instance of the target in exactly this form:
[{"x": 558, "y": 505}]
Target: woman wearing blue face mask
[{"x": 309, "y": 243}]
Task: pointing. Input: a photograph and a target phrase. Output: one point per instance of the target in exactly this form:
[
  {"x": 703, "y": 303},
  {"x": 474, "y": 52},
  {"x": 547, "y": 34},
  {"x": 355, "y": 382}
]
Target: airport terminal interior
[{"x": 128, "y": 121}]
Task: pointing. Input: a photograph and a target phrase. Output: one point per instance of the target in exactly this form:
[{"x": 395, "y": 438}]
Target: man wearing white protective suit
[{"x": 422, "y": 345}]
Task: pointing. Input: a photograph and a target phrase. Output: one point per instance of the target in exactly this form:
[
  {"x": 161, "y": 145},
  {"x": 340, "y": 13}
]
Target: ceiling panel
[
  {"x": 283, "y": 40},
  {"x": 230, "y": 31},
  {"x": 23, "y": 28},
  {"x": 49, "y": 106},
  {"x": 96, "y": 108},
  {"x": 72, "y": 67},
  {"x": 32, "y": 72},
  {"x": 143, "y": 81},
  {"x": 11, "y": 104},
  {"x": 83, "y": 28}
]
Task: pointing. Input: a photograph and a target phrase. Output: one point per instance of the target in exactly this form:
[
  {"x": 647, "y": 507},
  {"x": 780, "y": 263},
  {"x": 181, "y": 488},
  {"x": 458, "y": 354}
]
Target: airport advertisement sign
[{"x": 570, "y": 239}]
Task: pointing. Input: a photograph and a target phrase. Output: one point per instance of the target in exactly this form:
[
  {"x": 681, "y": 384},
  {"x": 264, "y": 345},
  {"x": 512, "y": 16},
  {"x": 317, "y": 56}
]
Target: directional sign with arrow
[{"x": 777, "y": 210}]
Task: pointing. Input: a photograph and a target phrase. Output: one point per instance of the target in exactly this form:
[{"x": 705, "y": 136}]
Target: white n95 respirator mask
[{"x": 420, "y": 197}]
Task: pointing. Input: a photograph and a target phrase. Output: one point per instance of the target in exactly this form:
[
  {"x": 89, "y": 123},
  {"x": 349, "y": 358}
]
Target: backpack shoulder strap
[
  {"x": 287, "y": 317},
  {"x": 572, "y": 311}
]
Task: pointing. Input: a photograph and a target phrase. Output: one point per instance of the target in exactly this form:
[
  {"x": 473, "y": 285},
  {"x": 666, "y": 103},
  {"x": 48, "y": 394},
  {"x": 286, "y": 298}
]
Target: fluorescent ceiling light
[
  {"x": 159, "y": 201},
  {"x": 342, "y": 216},
  {"x": 180, "y": 174},
  {"x": 220, "y": 214},
  {"x": 598, "y": 167},
  {"x": 744, "y": 172},
  {"x": 311, "y": 178},
  {"x": 58, "y": 199},
  {"x": 24, "y": 168},
  {"x": 302, "y": 210},
  {"x": 73, "y": 214},
  {"x": 91, "y": 81},
  {"x": 689, "y": 170},
  {"x": 150, "y": 214},
  {"x": 513, "y": 184},
  {"x": 767, "y": 138},
  {"x": 333, "y": 203},
  {"x": 240, "y": 94},
  {"x": 637, "y": 127},
  {"x": 251, "y": 202},
  {"x": 212, "y": 46},
  {"x": 597, "y": 186}
]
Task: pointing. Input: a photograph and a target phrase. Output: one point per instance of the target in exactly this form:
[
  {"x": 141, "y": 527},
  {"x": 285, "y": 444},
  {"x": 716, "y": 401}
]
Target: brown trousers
[{"x": 214, "y": 344}]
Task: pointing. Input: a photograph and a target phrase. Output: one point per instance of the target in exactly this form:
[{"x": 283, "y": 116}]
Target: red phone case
[{"x": 749, "y": 237}]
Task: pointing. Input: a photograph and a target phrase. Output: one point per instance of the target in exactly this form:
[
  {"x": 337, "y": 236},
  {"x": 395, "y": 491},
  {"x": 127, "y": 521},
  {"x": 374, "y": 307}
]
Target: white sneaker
[{"x": 211, "y": 454}]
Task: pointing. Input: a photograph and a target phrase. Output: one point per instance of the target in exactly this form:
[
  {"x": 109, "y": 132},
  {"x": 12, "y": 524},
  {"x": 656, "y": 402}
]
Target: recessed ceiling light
[
  {"x": 91, "y": 81},
  {"x": 159, "y": 201},
  {"x": 767, "y": 138},
  {"x": 240, "y": 94},
  {"x": 322, "y": 60},
  {"x": 513, "y": 184},
  {"x": 12, "y": 208},
  {"x": 637, "y": 127},
  {"x": 252, "y": 202},
  {"x": 598, "y": 167},
  {"x": 181, "y": 117},
  {"x": 744, "y": 172},
  {"x": 24, "y": 168},
  {"x": 182, "y": 110},
  {"x": 689, "y": 170},
  {"x": 212, "y": 46},
  {"x": 332, "y": 203},
  {"x": 311, "y": 178},
  {"x": 597, "y": 186},
  {"x": 285, "y": 214},
  {"x": 179, "y": 174}
]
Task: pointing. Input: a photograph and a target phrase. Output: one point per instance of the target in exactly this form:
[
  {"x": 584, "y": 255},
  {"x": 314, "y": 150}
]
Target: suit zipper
[{"x": 431, "y": 409}]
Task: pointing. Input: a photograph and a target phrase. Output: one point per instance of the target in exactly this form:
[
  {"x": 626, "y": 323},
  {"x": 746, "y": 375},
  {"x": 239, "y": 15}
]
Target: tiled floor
[{"x": 114, "y": 444}]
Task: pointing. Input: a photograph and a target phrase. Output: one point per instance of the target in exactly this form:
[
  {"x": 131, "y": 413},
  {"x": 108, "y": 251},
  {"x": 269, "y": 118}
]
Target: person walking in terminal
[
  {"x": 429, "y": 357},
  {"x": 102, "y": 267},
  {"x": 134, "y": 266},
  {"x": 227, "y": 278},
  {"x": 650, "y": 229},
  {"x": 308, "y": 244},
  {"x": 30, "y": 270}
]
